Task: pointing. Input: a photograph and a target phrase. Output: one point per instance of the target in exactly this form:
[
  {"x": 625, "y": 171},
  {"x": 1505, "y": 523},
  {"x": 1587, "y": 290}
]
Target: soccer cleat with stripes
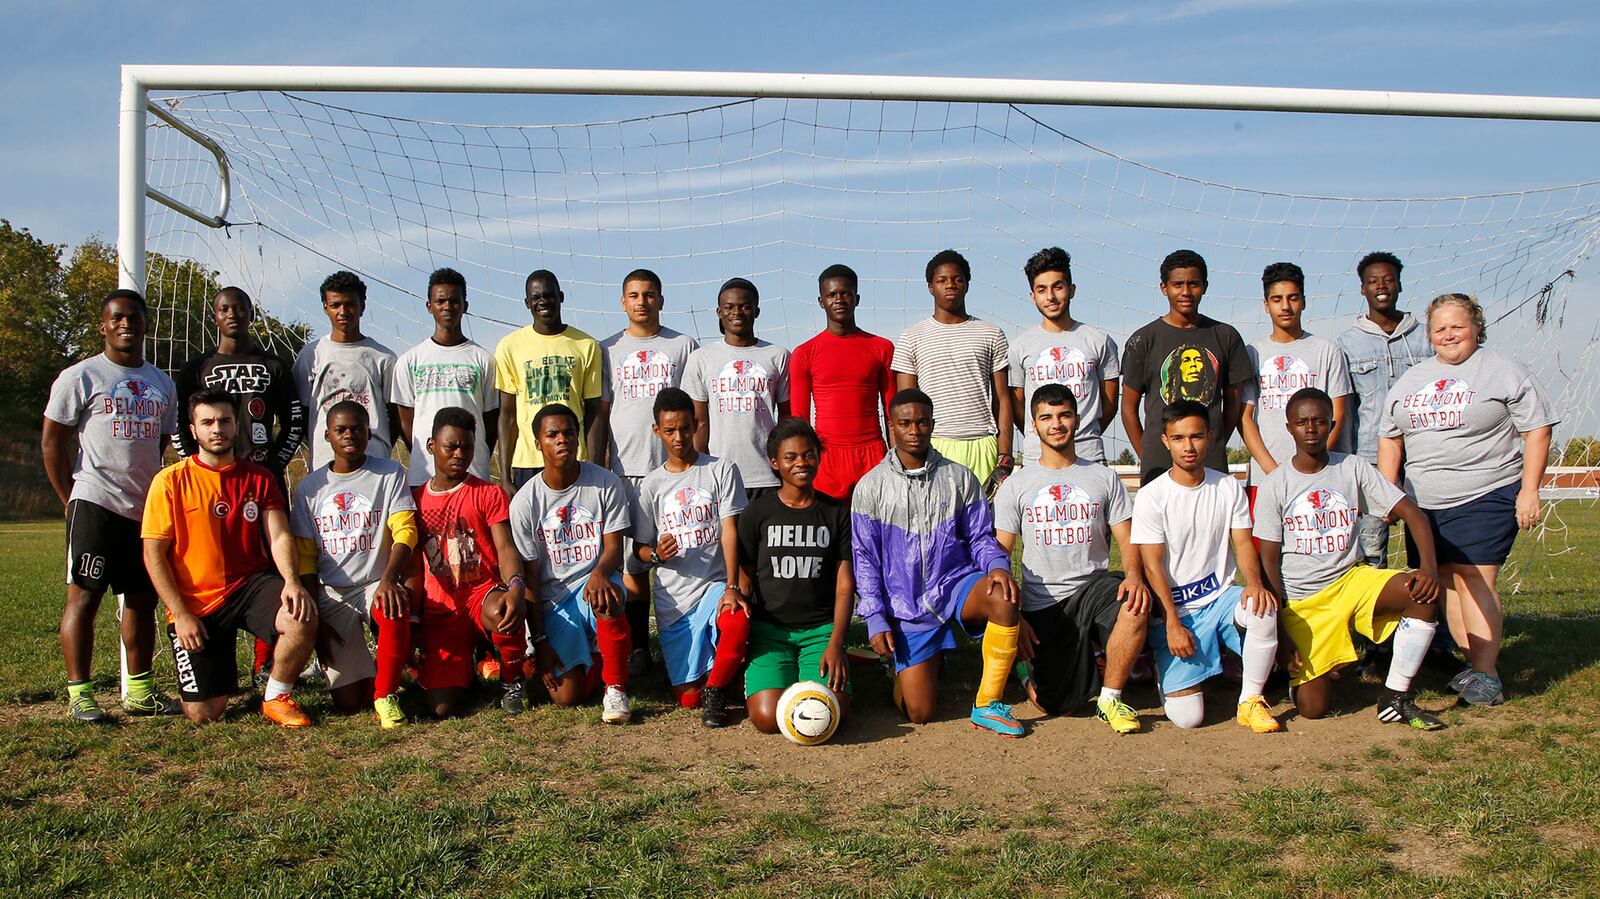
[
  {"x": 1118, "y": 714},
  {"x": 389, "y": 714},
  {"x": 1482, "y": 689},
  {"x": 1254, "y": 714},
  {"x": 996, "y": 716},
  {"x": 512, "y": 698},
  {"x": 1400, "y": 708},
  {"x": 154, "y": 703},
  {"x": 85, "y": 710},
  {"x": 285, "y": 712}
]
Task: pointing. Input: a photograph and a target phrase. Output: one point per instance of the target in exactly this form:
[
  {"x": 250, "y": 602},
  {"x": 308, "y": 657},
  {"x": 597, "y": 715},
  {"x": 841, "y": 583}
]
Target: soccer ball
[{"x": 808, "y": 713}]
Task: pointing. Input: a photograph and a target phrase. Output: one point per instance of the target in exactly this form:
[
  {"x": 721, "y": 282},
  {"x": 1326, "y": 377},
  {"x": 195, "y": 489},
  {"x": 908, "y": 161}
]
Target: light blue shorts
[
  {"x": 689, "y": 645},
  {"x": 1212, "y": 626},
  {"x": 569, "y": 625},
  {"x": 913, "y": 647}
]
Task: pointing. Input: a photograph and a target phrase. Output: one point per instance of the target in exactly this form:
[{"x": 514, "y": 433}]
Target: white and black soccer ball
[{"x": 808, "y": 713}]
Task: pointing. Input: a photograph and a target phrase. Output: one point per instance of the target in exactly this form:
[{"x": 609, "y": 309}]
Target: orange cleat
[
  {"x": 489, "y": 669},
  {"x": 285, "y": 712}
]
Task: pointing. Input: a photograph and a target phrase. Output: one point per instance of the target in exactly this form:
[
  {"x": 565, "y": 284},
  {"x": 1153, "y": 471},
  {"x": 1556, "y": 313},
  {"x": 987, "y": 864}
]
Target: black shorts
[
  {"x": 104, "y": 550},
  {"x": 1064, "y": 669},
  {"x": 214, "y": 670}
]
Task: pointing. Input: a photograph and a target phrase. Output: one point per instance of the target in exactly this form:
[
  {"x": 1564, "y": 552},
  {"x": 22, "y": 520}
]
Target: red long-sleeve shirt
[{"x": 849, "y": 382}]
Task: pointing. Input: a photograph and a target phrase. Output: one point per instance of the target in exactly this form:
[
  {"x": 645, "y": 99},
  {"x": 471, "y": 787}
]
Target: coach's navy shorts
[{"x": 1477, "y": 532}]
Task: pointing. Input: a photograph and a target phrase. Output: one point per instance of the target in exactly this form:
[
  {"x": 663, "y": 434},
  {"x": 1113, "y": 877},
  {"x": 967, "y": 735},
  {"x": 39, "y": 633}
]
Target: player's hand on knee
[
  {"x": 1258, "y": 601},
  {"x": 1424, "y": 587},
  {"x": 883, "y": 644},
  {"x": 835, "y": 667},
  {"x": 1179, "y": 640},
  {"x": 1027, "y": 641},
  {"x": 392, "y": 600},
  {"x": 602, "y": 596},
  {"x": 1001, "y": 586},
  {"x": 297, "y": 602},
  {"x": 191, "y": 632},
  {"x": 1134, "y": 595}
]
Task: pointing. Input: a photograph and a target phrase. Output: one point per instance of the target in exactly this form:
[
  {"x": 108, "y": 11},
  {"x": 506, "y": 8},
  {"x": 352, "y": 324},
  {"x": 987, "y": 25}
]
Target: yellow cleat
[
  {"x": 1254, "y": 714},
  {"x": 1118, "y": 714},
  {"x": 389, "y": 714}
]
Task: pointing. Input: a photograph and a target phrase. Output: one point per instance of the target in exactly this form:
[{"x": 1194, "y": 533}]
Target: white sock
[
  {"x": 276, "y": 688},
  {"x": 1411, "y": 642},
  {"x": 1187, "y": 712},
  {"x": 1109, "y": 695},
  {"x": 1260, "y": 645}
]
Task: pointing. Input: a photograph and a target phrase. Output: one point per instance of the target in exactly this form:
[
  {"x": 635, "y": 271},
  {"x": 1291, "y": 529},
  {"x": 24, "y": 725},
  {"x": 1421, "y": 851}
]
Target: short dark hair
[
  {"x": 212, "y": 396},
  {"x": 232, "y": 291},
  {"x": 671, "y": 399},
  {"x": 643, "y": 274},
  {"x": 1381, "y": 256},
  {"x": 1185, "y": 409},
  {"x": 123, "y": 293},
  {"x": 910, "y": 396},
  {"x": 552, "y": 410},
  {"x": 1308, "y": 394},
  {"x": 344, "y": 282},
  {"x": 1282, "y": 271},
  {"x": 947, "y": 257},
  {"x": 454, "y": 417},
  {"x": 1049, "y": 259},
  {"x": 347, "y": 406},
  {"x": 838, "y": 270},
  {"x": 447, "y": 276},
  {"x": 542, "y": 274},
  {"x": 739, "y": 284},
  {"x": 1183, "y": 259},
  {"x": 1052, "y": 394},
  {"x": 788, "y": 429}
]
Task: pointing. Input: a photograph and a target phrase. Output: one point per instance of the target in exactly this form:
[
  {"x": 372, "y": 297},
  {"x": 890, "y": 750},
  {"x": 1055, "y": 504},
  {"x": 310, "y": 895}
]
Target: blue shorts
[
  {"x": 1477, "y": 532},
  {"x": 570, "y": 628},
  {"x": 917, "y": 646},
  {"x": 689, "y": 645},
  {"x": 1212, "y": 626}
]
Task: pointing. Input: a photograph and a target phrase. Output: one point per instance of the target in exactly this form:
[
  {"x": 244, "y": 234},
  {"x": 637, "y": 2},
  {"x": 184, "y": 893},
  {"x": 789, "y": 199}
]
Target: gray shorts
[{"x": 343, "y": 615}]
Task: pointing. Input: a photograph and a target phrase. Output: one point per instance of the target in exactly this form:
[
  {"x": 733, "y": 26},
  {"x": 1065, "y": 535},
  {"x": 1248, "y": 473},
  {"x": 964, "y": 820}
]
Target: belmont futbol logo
[
  {"x": 136, "y": 407},
  {"x": 1319, "y": 522},
  {"x": 642, "y": 374},
  {"x": 1281, "y": 376},
  {"x": 1062, "y": 515},
  {"x": 690, "y": 516},
  {"x": 571, "y": 536},
  {"x": 1062, "y": 365},
  {"x": 741, "y": 386},
  {"x": 1439, "y": 405}
]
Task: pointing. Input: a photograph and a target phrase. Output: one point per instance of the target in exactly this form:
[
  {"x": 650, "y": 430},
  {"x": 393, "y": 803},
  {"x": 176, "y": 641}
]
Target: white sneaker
[{"x": 614, "y": 707}]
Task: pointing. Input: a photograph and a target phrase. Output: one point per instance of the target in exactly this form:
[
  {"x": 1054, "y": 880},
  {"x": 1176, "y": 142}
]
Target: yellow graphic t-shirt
[{"x": 540, "y": 369}]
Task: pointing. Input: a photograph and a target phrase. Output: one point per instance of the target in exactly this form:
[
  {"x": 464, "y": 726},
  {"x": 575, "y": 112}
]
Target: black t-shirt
[
  {"x": 796, "y": 555},
  {"x": 1167, "y": 364},
  {"x": 265, "y": 386}
]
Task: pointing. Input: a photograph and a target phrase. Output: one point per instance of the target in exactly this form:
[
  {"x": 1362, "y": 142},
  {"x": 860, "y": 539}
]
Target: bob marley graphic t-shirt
[
  {"x": 1314, "y": 517},
  {"x": 1167, "y": 364}
]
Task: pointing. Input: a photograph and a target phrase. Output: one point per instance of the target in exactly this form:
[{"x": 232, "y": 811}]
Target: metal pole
[{"x": 131, "y": 182}]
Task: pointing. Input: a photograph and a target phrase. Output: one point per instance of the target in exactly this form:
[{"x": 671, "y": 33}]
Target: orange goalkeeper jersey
[{"x": 214, "y": 518}]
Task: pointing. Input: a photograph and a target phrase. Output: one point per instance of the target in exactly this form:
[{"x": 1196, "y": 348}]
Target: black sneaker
[
  {"x": 157, "y": 703},
  {"x": 1400, "y": 708},
  {"x": 639, "y": 662},
  {"x": 85, "y": 710},
  {"x": 713, "y": 707},
  {"x": 511, "y": 700}
]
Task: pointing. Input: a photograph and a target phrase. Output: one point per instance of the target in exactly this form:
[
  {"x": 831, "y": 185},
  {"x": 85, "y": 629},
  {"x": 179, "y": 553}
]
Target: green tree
[
  {"x": 1580, "y": 451},
  {"x": 1238, "y": 455},
  {"x": 34, "y": 326},
  {"x": 1126, "y": 457}
]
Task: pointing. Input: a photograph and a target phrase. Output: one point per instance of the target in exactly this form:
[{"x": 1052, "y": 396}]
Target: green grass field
[{"x": 1504, "y": 803}]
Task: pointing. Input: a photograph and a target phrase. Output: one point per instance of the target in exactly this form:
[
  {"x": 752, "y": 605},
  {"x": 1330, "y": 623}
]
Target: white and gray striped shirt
[{"x": 955, "y": 366}]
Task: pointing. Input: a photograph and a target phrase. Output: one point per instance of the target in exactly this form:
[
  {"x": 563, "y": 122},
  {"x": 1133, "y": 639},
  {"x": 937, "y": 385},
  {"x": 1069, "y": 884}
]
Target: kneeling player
[
  {"x": 1063, "y": 507},
  {"x": 794, "y": 547},
  {"x": 926, "y": 562},
  {"x": 688, "y": 515},
  {"x": 472, "y": 581},
  {"x": 1306, "y": 519},
  {"x": 1190, "y": 524},
  {"x": 568, "y": 521},
  {"x": 355, "y": 525}
]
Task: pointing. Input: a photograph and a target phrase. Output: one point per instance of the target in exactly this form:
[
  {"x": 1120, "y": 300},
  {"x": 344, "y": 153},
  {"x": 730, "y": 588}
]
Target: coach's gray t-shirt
[
  {"x": 1064, "y": 517},
  {"x": 1314, "y": 517},
  {"x": 121, "y": 414},
  {"x": 636, "y": 369},
  {"x": 955, "y": 366},
  {"x": 741, "y": 387},
  {"x": 348, "y": 516},
  {"x": 1281, "y": 370},
  {"x": 1462, "y": 425},
  {"x": 328, "y": 372},
  {"x": 429, "y": 377},
  {"x": 690, "y": 505},
  {"x": 563, "y": 529},
  {"x": 1082, "y": 358}
]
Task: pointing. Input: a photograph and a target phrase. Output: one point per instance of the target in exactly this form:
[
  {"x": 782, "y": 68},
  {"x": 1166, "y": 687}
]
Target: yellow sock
[{"x": 999, "y": 651}]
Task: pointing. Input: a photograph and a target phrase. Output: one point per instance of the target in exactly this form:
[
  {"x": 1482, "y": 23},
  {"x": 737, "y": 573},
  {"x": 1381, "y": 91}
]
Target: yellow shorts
[
  {"x": 980, "y": 454},
  {"x": 1320, "y": 624}
]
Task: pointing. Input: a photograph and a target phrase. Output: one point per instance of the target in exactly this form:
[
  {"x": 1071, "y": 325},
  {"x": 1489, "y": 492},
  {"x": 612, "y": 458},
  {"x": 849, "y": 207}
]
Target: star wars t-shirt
[
  {"x": 269, "y": 402},
  {"x": 1082, "y": 358},
  {"x": 636, "y": 369},
  {"x": 741, "y": 387},
  {"x": 1168, "y": 364},
  {"x": 430, "y": 377},
  {"x": 1195, "y": 526},
  {"x": 1282, "y": 369},
  {"x": 1314, "y": 517},
  {"x": 120, "y": 414},
  {"x": 796, "y": 555},
  {"x": 347, "y": 515},
  {"x": 691, "y": 506},
  {"x": 329, "y": 372},
  {"x": 1064, "y": 516},
  {"x": 563, "y": 529}
]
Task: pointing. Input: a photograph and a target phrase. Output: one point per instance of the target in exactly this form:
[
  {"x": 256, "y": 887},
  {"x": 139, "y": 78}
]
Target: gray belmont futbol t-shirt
[
  {"x": 955, "y": 366},
  {"x": 1082, "y": 359},
  {"x": 430, "y": 377},
  {"x": 562, "y": 529},
  {"x": 1462, "y": 425},
  {"x": 741, "y": 387},
  {"x": 328, "y": 372},
  {"x": 1064, "y": 516},
  {"x": 1314, "y": 517},
  {"x": 691, "y": 506},
  {"x": 121, "y": 415},
  {"x": 636, "y": 369},
  {"x": 348, "y": 515},
  {"x": 1281, "y": 370}
]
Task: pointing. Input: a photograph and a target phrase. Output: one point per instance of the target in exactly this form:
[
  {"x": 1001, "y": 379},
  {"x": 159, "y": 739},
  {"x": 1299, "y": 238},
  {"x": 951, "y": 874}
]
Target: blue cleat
[{"x": 996, "y": 716}]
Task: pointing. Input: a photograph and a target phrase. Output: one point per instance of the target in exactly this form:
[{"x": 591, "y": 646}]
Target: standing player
[
  {"x": 844, "y": 373},
  {"x": 960, "y": 362},
  {"x": 543, "y": 363},
  {"x": 794, "y": 548},
  {"x": 1306, "y": 520},
  {"x": 208, "y": 524},
  {"x": 688, "y": 529},
  {"x": 346, "y": 365},
  {"x": 740, "y": 387},
  {"x": 472, "y": 575},
  {"x": 926, "y": 562},
  {"x": 568, "y": 524},
  {"x": 640, "y": 361},
  {"x": 1060, "y": 350},
  {"x": 446, "y": 371},
  {"x": 1063, "y": 507},
  {"x": 108, "y": 420},
  {"x": 1190, "y": 524},
  {"x": 1287, "y": 360},
  {"x": 1182, "y": 355},
  {"x": 355, "y": 525}
]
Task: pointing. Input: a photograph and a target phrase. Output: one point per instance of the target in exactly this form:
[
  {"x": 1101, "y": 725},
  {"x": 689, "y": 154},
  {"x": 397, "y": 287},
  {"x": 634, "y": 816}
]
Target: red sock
[
  {"x": 394, "y": 647},
  {"x": 614, "y": 643},
  {"x": 733, "y": 632},
  {"x": 513, "y": 648},
  {"x": 688, "y": 696},
  {"x": 264, "y": 657}
]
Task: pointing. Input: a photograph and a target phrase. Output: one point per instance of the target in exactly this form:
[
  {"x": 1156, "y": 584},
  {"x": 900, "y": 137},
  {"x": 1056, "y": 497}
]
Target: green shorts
[
  {"x": 980, "y": 454},
  {"x": 780, "y": 657}
]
